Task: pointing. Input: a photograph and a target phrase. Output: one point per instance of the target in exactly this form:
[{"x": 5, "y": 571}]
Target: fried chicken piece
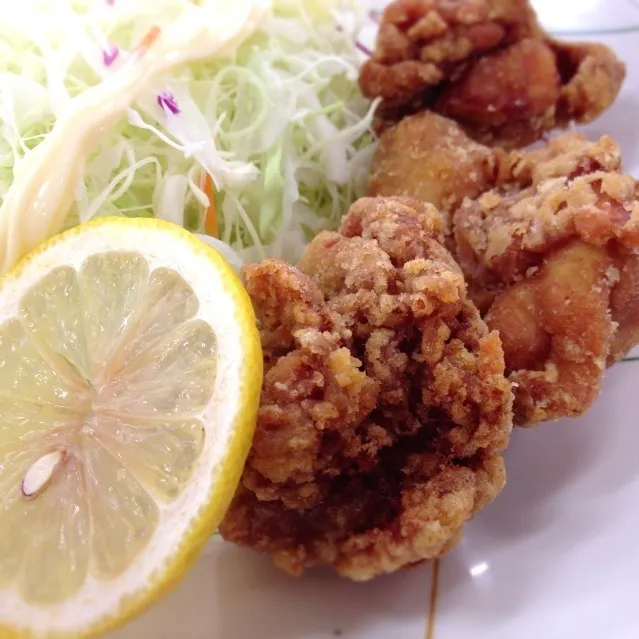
[
  {"x": 547, "y": 240},
  {"x": 384, "y": 406},
  {"x": 565, "y": 253},
  {"x": 430, "y": 158},
  {"x": 488, "y": 65}
]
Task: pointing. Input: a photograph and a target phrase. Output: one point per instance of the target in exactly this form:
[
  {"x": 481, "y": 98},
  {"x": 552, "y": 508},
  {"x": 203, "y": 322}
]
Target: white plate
[{"x": 555, "y": 557}]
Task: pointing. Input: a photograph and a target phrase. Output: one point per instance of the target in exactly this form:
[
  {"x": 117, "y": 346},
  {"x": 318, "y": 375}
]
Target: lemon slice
[{"x": 130, "y": 371}]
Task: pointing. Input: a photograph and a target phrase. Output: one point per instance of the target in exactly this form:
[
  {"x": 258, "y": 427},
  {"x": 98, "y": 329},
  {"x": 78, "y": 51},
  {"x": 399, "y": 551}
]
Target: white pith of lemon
[{"x": 130, "y": 371}]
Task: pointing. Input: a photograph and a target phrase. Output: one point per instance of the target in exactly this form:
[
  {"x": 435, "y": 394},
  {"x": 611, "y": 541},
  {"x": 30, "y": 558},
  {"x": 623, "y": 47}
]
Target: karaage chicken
[
  {"x": 384, "y": 406},
  {"x": 430, "y": 158},
  {"x": 488, "y": 65},
  {"x": 547, "y": 240}
]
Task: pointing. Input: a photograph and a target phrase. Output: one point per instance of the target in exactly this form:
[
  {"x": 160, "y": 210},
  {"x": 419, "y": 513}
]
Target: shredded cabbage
[{"x": 280, "y": 127}]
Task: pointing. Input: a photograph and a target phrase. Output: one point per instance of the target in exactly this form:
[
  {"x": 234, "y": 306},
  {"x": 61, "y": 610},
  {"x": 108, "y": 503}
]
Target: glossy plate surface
[{"x": 556, "y": 556}]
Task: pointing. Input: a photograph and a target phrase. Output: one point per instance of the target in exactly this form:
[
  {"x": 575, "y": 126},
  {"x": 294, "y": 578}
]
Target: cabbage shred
[{"x": 280, "y": 127}]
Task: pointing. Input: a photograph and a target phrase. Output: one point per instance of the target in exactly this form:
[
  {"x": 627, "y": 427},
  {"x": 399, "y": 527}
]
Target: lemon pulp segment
[{"x": 103, "y": 373}]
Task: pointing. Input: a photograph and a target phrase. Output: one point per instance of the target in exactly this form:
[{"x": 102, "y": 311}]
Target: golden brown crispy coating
[
  {"x": 564, "y": 255},
  {"x": 429, "y": 157},
  {"x": 488, "y": 65},
  {"x": 624, "y": 304},
  {"x": 384, "y": 406},
  {"x": 547, "y": 240}
]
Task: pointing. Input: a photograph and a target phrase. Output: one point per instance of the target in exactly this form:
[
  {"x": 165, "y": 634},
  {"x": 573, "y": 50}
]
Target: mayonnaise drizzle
[{"x": 43, "y": 191}]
